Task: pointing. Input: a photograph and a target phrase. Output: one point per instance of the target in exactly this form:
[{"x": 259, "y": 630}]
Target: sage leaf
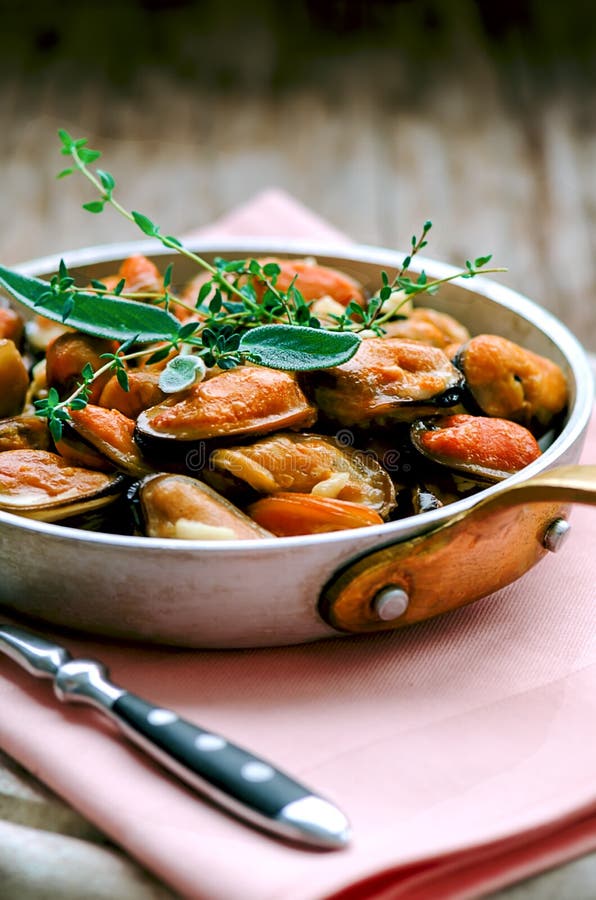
[
  {"x": 103, "y": 317},
  {"x": 297, "y": 348},
  {"x": 180, "y": 373}
]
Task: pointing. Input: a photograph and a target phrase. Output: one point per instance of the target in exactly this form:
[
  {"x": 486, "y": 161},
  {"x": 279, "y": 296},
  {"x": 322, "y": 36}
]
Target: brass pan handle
[{"x": 472, "y": 555}]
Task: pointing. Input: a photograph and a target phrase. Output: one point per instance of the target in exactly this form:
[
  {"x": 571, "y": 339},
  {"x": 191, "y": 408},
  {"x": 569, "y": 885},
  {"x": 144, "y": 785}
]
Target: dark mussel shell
[
  {"x": 388, "y": 378},
  {"x": 24, "y": 432},
  {"x": 490, "y": 449}
]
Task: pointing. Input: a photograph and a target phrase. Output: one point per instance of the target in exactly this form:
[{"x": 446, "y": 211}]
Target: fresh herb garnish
[{"x": 240, "y": 314}]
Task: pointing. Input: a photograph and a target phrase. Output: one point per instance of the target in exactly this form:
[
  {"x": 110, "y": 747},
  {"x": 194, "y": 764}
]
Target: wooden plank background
[{"x": 461, "y": 119}]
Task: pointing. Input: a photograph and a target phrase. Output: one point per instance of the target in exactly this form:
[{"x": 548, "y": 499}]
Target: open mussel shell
[
  {"x": 489, "y": 449},
  {"x": 247, "y": 400},
  {"x": 309, "y": 463},
  {"x": 41, "y": 485},
  {"x": 24, "y": 432},
  {"x": 178, "y": 506},
  {"x": 111, "y": 433},
  {"x": 509, "y": 381},
  {"x": 388, "y": 379}
]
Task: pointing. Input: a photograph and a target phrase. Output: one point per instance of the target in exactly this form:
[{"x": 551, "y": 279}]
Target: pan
[{"x": 297, "y": 589}]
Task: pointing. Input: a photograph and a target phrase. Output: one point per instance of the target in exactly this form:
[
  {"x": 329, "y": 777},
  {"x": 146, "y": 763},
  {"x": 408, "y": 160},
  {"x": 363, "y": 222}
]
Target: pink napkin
[{"x": 463, "y": 749}]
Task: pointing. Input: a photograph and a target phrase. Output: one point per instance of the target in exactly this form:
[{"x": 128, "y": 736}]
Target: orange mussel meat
[
  {"x": 487, "y": 447},
  {"x": 69, "y": 354},
  {"x": 246, "y": 400},
  {"x": 508, "y": 381},
  {"x": 388, "y": 377},
  {"x": 42, "y": 485},
  {"x": 291, "y": 514},
  {"x": 315, "y": 281}
]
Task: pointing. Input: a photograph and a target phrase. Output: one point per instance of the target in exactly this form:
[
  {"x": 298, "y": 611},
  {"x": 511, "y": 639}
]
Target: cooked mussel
[
  {"x": 41, "y": 485},
  {"x": 429, "y": 326},
  {"x": 388, "y": 378},
  {"x": 11, "y": 324},
  {"x": 286, "y": 515},
  {"x": 243, "y": 401},
  {"x": 24, "y": 432},
  {"x": 315, "y": 281},
  {"x": 510, "y": 382},
  {"x": 486, "y": 448},
  {"x": 177, "y": 506},
  {"x": 143, "y": 391},
  {"x": 112, "y": 433},
  {"x": 14, "y": 379},
  {"x": 69, "y": 354},
  {"x": 309, "y": 463}
]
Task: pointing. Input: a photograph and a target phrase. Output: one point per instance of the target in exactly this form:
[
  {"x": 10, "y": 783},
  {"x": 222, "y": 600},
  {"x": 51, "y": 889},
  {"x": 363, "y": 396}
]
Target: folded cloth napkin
[{"x": 462, "y": 749}]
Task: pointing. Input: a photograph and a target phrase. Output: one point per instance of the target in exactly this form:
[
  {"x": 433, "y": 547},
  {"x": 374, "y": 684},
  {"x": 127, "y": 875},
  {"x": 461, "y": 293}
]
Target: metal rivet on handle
[
  {"x": 556, "y": 534},
  {"x": 390, "y": 602}
]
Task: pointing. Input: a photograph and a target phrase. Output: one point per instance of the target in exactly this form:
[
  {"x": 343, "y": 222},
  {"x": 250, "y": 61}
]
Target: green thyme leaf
[
  {"x": 78, "y": 403},
  {"x": 145, "y": 224},
  {"x": 122, "y": 378},
  {"x": 67, "y": 307},
  {"x": 297, "y": 348},
  {"x": 107, "y": 180},
  {"x": 187, "y": 329},
  {"x": 88, "y": 156},
  {"x": 95, "y": 206},
  {"x": 66, "y": 139},
  {"x": 56, "y": 427}
]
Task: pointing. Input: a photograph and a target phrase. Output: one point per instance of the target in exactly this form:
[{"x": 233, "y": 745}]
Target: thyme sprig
[{"x": 229, "y": 322}]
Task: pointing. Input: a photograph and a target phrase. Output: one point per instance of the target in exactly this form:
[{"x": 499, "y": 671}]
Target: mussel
[
  {"x": 315, "y": 281},
  {"x": 243, "y": 401},
  {"x": 41, "y": 485},
  {"x": 510, "y": 382},
  {"x": 143, "y": 392},
  {"x": 309, "y": 463},
  {"x": 69, "y": 354},
  {"x": 24, "y": 432},
  {"x": 388, "y": 378},
  {"x": 487, "y": 448},
  {"x": 177, "y": 506},
  {"x": 139, "y": 274},
  {"x": 11, "y": 325},
  {"x": 429, "y": 326},
  {"x": 14, "y": 379},
  {"x": 286, "y": 515},
  {"x": 112, "y": 433}
]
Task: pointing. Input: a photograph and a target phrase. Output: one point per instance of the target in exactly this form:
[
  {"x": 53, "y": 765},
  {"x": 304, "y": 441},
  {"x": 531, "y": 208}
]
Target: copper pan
[{"x": 291, "y": 590}]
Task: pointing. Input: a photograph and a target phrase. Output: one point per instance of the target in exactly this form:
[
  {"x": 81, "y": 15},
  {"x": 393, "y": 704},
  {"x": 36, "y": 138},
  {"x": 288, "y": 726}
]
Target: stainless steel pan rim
[{"x": 571, "y": 435}]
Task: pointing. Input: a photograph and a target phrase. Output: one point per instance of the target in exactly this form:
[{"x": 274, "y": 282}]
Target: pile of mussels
[{"x": 415, "y": 420}]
